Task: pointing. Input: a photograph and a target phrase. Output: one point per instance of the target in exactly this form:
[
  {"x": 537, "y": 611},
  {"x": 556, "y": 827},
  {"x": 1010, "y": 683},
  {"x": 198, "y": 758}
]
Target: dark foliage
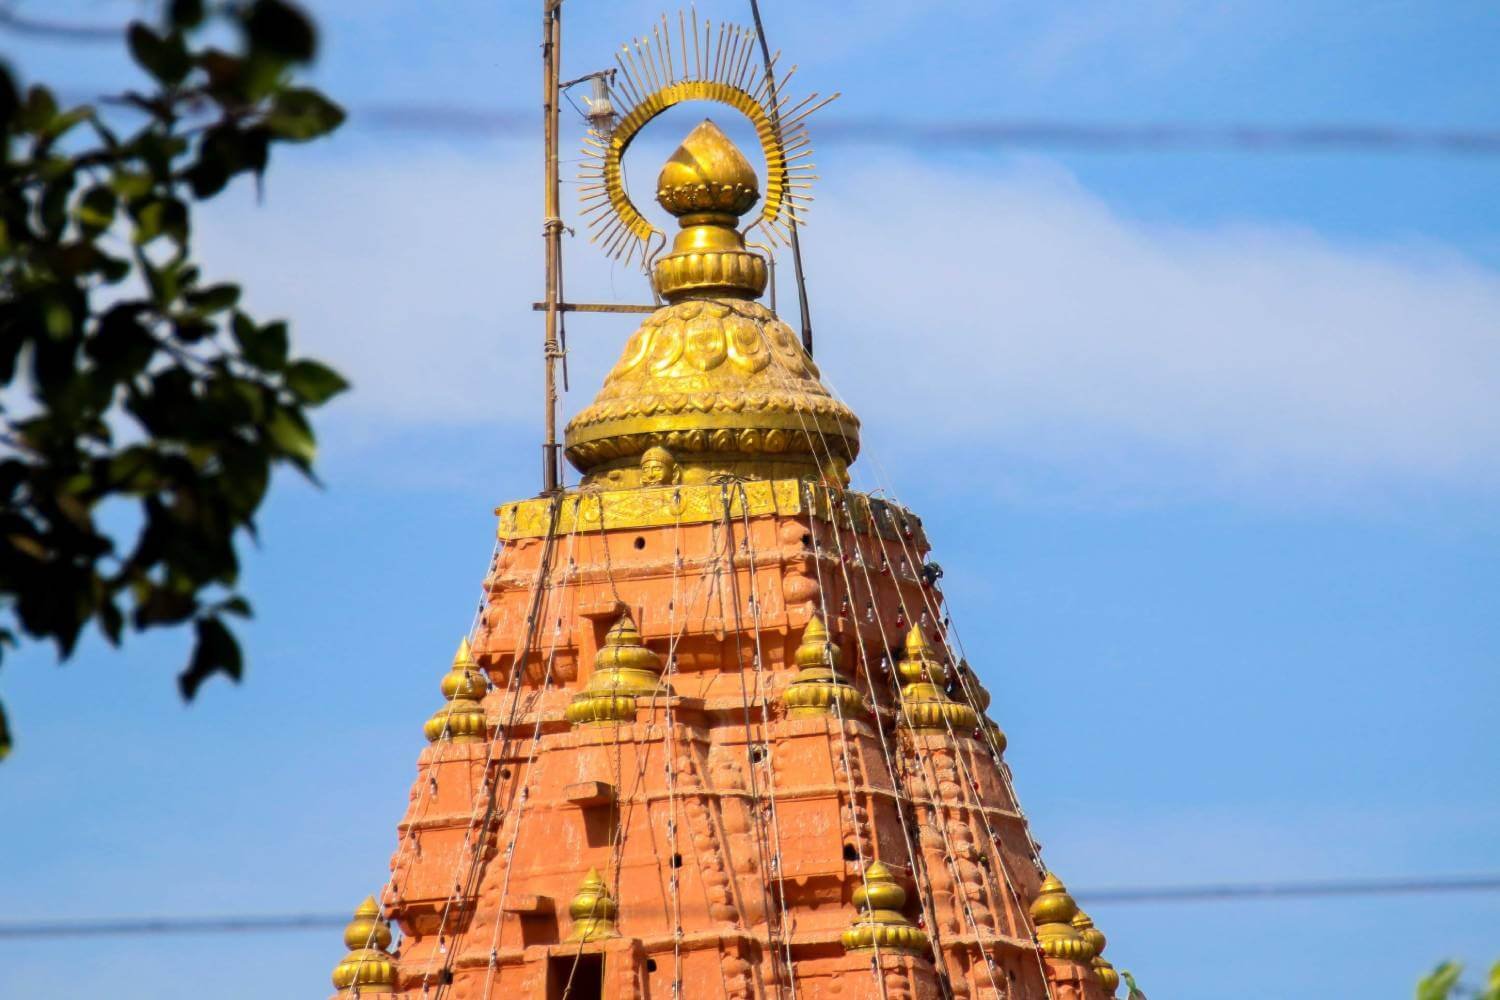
[{"x": 127, "y": 379}]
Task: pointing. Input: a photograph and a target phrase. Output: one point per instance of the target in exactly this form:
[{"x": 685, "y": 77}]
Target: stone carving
[{"x": 659, "y": 468}]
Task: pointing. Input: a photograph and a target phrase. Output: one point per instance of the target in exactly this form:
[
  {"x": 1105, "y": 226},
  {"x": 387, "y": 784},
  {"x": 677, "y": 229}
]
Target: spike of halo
[{"x": 655, "y": 72}]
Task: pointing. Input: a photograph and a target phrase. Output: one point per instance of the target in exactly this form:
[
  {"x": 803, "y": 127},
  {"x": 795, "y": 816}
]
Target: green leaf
[
  {"x": 290, "y": 433},
  {"x": 66, "y": 120},
  {"x": 10, "y": 97},
  {"x": 122, "y": 346},
  {"x": 280, "y": 30},
  {"x": 299, "y": 115},
  {"x": 111, "y": 622},
  {"x": 161, "y": 217},
  {"x": 1492, "y": 988},
  {"x": 220, "y": 157},
  {"x": 57, "y": 319},
  {"x": 225, "y": 72},
  {"x": 95, "y": 211},
  {"x": 38, "y": 111},
  {"x": 163, "y": 605},
  {"x": 165, "y": 58},
  {"x": 133, "y": 471},
  {"x": 265, "y": 347},
  {"x": 1439, "y": 985},
  {"x": 114, "y": 269},
  {"x": 215, "y": 652},
  {"x": 54, "y": 205},
  {"x": 246, "y": 472},
  {"x": 130, "y": 185},
  {"x": 185, "y": 13},
  {"x": 313, "y": 382},
  {"x": 213, "y": 299}
]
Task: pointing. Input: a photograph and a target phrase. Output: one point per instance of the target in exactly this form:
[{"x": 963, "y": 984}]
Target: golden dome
[
  {"x": 369, "y": 966},
  {"x": 881, "y": 922},
  {"x": 713, "y": 378},
  {"x": 1052, "y": 912},
  {"x": 1092, "y": 936},
  {"x": 592, "y": 910},
  {"x": 462, "y": 719},
  {"x": 819, "y": 687},
  {"x": 1095, "y": 939},
  {"x": 624, "y": 669},
  {"x": 925, "y": 706}
]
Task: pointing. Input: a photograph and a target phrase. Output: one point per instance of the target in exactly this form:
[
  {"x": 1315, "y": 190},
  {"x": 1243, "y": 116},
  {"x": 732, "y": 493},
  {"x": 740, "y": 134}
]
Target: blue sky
[{"x": 1207, "y": 442}]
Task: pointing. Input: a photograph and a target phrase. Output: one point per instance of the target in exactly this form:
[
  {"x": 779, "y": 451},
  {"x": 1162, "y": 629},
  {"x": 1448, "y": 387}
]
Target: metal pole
[
  {"x": 552, "y": 232},
  {"x": 765, "y": 55}
]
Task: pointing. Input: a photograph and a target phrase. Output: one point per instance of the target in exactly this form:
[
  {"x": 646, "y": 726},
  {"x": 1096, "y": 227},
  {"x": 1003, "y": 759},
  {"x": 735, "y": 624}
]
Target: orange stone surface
[{"x": 731, "y": 836}]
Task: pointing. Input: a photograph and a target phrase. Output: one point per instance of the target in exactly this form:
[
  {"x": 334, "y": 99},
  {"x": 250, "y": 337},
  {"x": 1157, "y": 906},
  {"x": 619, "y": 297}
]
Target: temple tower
[{"x": 710, "y": 737}]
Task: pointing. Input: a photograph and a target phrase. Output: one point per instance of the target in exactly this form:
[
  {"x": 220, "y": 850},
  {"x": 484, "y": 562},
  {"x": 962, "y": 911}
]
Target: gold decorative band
[
  {"x": 654, "y": 507},
  {"x": 710, "y": 271}
]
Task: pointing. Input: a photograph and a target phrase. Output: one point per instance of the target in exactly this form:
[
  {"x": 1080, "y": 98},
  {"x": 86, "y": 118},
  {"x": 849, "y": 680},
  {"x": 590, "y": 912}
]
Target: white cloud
[
  {"x": 1012, "y": 310},
  {"x": 1031, "y": 315}
]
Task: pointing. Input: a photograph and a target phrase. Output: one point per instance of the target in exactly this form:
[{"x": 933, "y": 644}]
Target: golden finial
[
  {"x": 1052, "y": 912},
  {"x": 917, "y": 645},
  {"x": 652, "y": 82},
  {"x": 369, "y": 967},
  {"x": 713, "y": 376},
  {"x": 707, "y": 173},
  {"x": 925, "y": 706},
  {"x": 592, "y": 910},
  {"x": 708, "y": 184},
  {"x": 1093, "y": 937},
  {"x": 1096, "y": 941},
  {"x": 880, "y": 922},
  {"x": 462, "y": 719},
  {"x": 819, "y": 686},
  {"x": 969, "y": 689},
  {"x": 624, "y": 669}
]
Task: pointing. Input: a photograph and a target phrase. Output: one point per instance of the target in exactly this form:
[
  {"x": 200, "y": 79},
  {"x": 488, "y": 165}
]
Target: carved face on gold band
[{"x": 658, "y": 468}]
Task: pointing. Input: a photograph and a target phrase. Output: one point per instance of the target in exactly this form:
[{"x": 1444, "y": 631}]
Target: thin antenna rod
[
  {"x": 551, "y": 233},
  {"x": 765, "y": 55}
]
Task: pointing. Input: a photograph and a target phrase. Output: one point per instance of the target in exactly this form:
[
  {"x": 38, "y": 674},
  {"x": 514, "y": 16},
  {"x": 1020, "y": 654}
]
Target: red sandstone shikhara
[{"x": 712, "y": 735}]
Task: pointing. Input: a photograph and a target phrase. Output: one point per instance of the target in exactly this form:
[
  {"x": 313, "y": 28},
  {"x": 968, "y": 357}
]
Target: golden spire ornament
[
  {"x": 708, "y": 184},
  {"x": 462, "y": 719},
  {"x": 369, "y": 967},
  {"x": 1094, "y": 938},
  {"x": 592, "y": 910},
  {"x": 925, "y": 706},
  {"x": 713, "y": 379},
  {"x": 819, "y": 688},
  {"x": 880, "y": 923},
  {"x": 713, "y": 383},
  {"x": 967, "y": 688},
  {"x": 624, "y": 669},
  {"x": 1052, "y": 912}
]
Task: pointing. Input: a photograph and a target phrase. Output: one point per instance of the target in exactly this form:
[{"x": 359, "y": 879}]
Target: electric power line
[
  {"x": 1225, "y": 892},
  {"x": 1333, "y": 137},
  {"x": 1312, "y": 889},
  {"x": 65, "y": 31}
]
